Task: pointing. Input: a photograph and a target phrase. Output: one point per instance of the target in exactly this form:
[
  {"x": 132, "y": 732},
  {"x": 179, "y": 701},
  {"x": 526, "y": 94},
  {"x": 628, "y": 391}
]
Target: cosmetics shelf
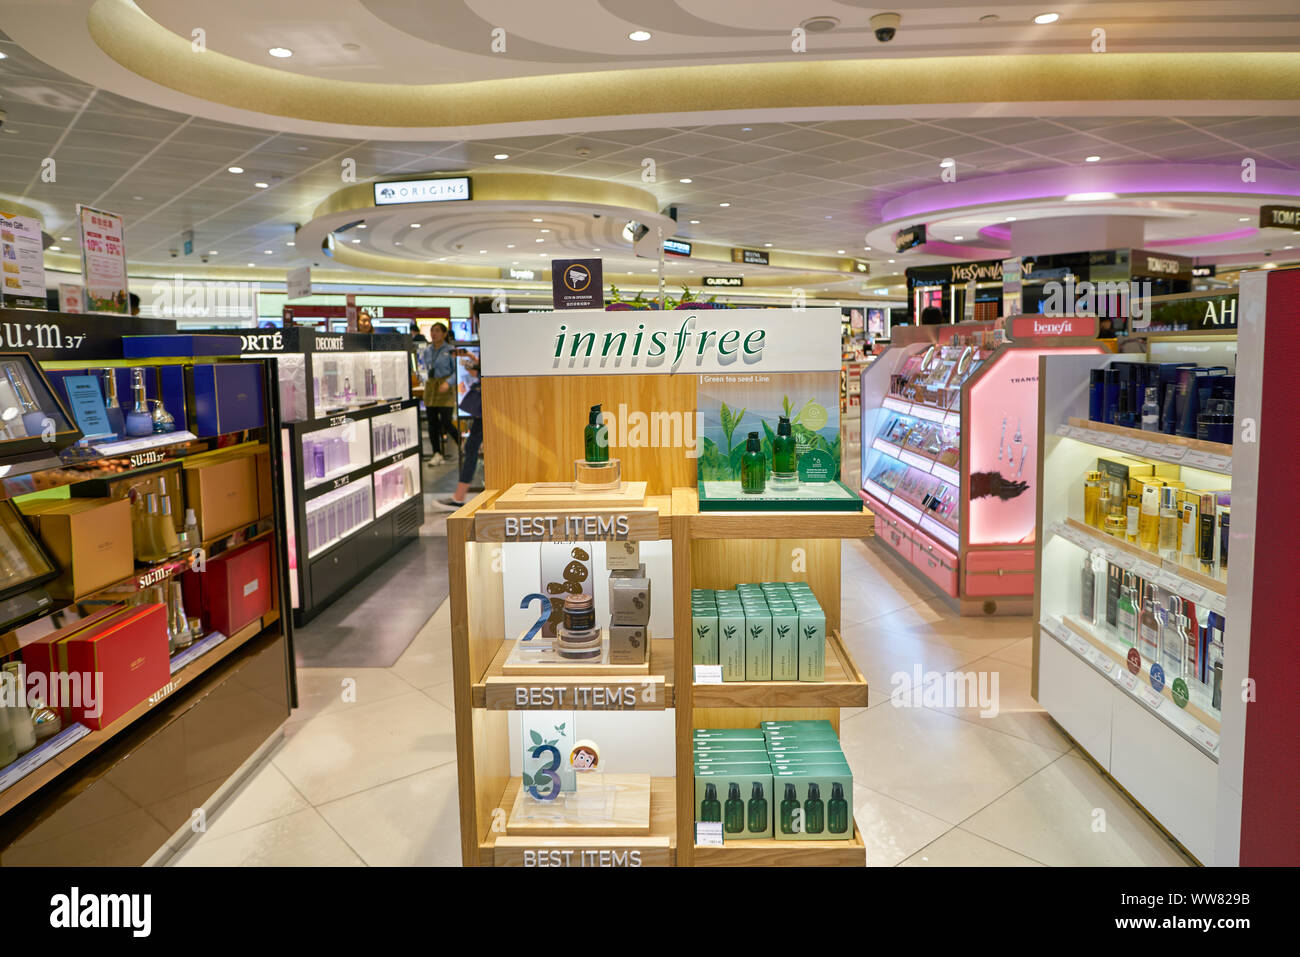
[
  {"x": 655, "y": 849},
  {"x": 1195, "y": 722},
  {"x": 80, "y": 745},
  {"x": 1184, "y": 582},
  {"x": 497, "y": 692},
  {"x": 395, "y": 483},
  {"x": 335, "y": 451},
  {"x": 1173, "y": 449},
  {"x": 770, "y": 852},
  {"x": 921, "y": 411},
  {"x": 844, "y": 687}
]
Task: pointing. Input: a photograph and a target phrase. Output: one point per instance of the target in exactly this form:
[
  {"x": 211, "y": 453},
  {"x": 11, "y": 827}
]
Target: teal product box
[
  {"x": 799, "y": 748},
  {"x": 758, "y": 642},
  {"x": 809, "y": 724},
  {"x": 731, "y": 642},
  {"x": 738, "y": 795},
  {"x": 706, "y": 751},
  {"x": 812, "y": 645},
  {"x": 704, "y": 636},
  {"x": 814, "y": 803},
  {"x": 728, "y": 734},
  {"x": 785, "y": 642}
]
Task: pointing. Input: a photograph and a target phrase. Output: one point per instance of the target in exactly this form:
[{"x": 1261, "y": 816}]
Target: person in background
[
  {"x": 440, "y": 390},
  {"x": 135, "y": 304},
  {"x": 471, "y": 405},
  {"x": 931, "y": 316}
]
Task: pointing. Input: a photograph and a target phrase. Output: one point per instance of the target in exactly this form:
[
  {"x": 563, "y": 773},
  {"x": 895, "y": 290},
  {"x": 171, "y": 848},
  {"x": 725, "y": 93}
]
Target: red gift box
[
  {"x": 234, "y": 590},
  {"x": 123, "y": 662}
]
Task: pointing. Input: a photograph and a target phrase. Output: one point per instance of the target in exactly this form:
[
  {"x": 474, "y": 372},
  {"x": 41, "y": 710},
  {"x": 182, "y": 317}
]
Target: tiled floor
[{"x": 371, "y": 778}]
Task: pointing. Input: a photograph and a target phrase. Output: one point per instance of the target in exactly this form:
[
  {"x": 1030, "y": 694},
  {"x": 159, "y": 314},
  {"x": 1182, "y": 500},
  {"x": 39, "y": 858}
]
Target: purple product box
[{"x": 227, "y": 397}]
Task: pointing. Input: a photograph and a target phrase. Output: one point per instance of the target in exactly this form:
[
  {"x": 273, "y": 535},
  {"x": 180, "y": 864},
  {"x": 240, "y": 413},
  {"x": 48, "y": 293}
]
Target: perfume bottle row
[
  {"x": 387, "y": 438},
  {"x": 154, "y": 535},
  {"x": 145, "y": 416},
  {"x": 337, "y": 513},
  {"x": 1183, "y": 399},
  {"x": 325, "y": 455},
  {"x": 393, "y": 485},
  {"x": 1184, "y": 639}
]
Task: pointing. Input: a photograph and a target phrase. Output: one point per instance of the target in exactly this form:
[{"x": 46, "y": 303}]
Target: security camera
[
  {"x": 885, "y": 25},
  {"x": 174, "y": 253},
  {"x": 595, "y": 215},
  {"x": 203, "y": 258}
]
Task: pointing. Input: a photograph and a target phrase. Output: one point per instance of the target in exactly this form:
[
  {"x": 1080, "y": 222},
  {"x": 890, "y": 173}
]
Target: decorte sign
[{"x": 595, "y": 342}]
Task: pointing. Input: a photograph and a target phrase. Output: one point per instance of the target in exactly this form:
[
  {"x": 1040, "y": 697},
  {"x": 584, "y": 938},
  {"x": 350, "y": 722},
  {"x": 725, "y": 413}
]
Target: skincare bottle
[
  {"x": 20, "y": 719},
  {"x": 1105, "y": 502},
  {"x": 1173, "y": 642},
  {"x": 1126, "y": 615},
  {"x": 163, "y": 421},
  {"x": 1133, "y": 516},
  {"x": 1096, "y": 394},
  {"x": 785, "y": 461},
  {"x": 814, "y": 811},
  {"x": 1149, "y": 518},
  {"x": 1088, "y": 592},
  {"x": 757, "y": 810},
  {"x": 1191, "y": 641},
  {"x": 1223, "y": 540},
  {"x": 1112, "y": 395},
  {"x": 1205, "y": 533},
  {"x": 139, "y": 421},
  {"x": 153, "y": 528},
  {"x": 1187, "y": 535},
  {"x": 116, "y": 421},
  {"x": 167, "y": 537},
  {"x": 1169, "y": 523},
  {"x": 788, "y": 806},
  {"x": 8, "y": 747},
  {"x": 595, "y": 437},
  {"x": 1116, "y": 526},
  {"x": 192, "y": 529},
  {"x": 733, "y": 813},
  {"x": 1214, "y": 657},
  {"x": 1151, "y": 411},
  {"x": 710, "y": 809},
  {"x": 753, "y": 467},
  {"x": 1092, "y": 489},
  {"x": 1149, "y": 628},
  {"x": 33, "y": 416},
  {"x": 837, "y": 810}
]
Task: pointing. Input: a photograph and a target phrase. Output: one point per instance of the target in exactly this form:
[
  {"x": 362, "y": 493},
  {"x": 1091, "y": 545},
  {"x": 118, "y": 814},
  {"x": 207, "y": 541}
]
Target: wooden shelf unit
[
  {"x": 844, "y": 687},
  {"x": 773, "y": 853}
]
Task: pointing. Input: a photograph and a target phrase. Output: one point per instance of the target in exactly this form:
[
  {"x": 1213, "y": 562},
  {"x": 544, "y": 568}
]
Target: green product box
[
  {"x": 812, "y": 645},
  {"x": 731, "y": 643},
  {"x": 799, "y": 747},
  {"x": 704, "y": 636},
  {"x": 728, "y": 734},
  {"x": 787, "y": 727},
  {"x": 793, "y": 742},
  {"x": 758, "y": 643},
  {"x": 785, "y": 643},
  {"x": 738, "y": 795},
  {"x": 814, "y": 803}
]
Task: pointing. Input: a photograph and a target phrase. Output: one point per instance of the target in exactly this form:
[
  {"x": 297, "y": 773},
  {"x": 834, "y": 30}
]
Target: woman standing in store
[
  {"x": 440, "y": 390},
  {"x": 472, "y": 406}
]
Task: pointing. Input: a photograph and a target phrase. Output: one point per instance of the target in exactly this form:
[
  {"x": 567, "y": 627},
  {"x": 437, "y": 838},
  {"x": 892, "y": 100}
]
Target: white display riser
[{"x": 1172, "y": 780}]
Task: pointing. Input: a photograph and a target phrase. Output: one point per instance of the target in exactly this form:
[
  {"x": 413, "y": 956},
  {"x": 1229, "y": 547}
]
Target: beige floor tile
[
  {"x": 941, "y": 765},
  {"x": 427, "y": 661},
  {"x": 959, "y": 848},
  {"x": 892, "y": 830},
  {"x": 413, "y": 821},
  {"x": 1052, "y": 818},
  {"x": 321, "y": 690},
  {"x": 880, "y": 654},
  {"x": 264, "y": 796},
  {"x": 334, "y": 755},
  {"x": 1018, "y": 653},
  {"x": 302, "y": 839},
  {"x": 444, "y": 693},
  {"x": 1018, "y": 712}
]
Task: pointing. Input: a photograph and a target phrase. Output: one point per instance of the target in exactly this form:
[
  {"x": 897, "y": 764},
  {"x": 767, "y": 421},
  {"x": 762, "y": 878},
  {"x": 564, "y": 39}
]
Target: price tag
[
  {"x": 708, "y": 833},
  {"x": 1079, "y": 645},
  {"x": 1152, "y": 698},
  {"x": 1057, "y": 528},
  {"x": 1169, "y": 581},
  {"x": 1175, "y": 452},
  {"x": 1068, "y": 430},
  {"x": 1205, "y": 738},
  {"x": 1103, "y": 663},
  {"x": 1132, "y": 445},
  {"x": 1129, "y": 682},
  {"x": 1193, "y": 592},
  {"x": 1146, "y": 570},
  {"x": 708, "y": 675}
]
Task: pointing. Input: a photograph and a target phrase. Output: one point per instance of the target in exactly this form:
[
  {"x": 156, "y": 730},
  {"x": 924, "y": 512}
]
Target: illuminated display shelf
[{"x": 1172, "y": 449}]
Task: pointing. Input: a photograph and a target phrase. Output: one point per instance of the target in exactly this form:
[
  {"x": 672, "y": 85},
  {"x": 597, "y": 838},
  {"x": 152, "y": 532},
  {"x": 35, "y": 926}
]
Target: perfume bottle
[
  {"x": 1169, "y": 523},
  {"x": 814, "y": 811},
  {"x": 1105, "y": 502},
  {"x": 139, "y": 421},
  {"x": 788, "y": 806},
  {"x": 20, "y": 719},
  {"x": 1205, "y": 533},
  {"x": 1126, "y": 615},
  {"x": 1092, "y": 488},
  {"x": 710, "y": 808},
  {"x": 595, "y": 437},
  {"x": 1088, "y": 592},
  {"x": 348, "y": 394},
  {"x": 785, "y": 461},
  {"x": 757, "y": 810},
  {"x": 1133, "y": 516},
  {"x": 33, "y": 416},
  {"x": 733, "y": 812},
  {"x": 192, "y": 529},
  {"x": 1224, "y": 515},
  {"x": 1187, "y": 633},
  {"x": 1173, "y": 643},
  {"x": 1149, "y": 518},
  {"x": 179, "y": 630},
  {"x": 1149, "y": 628},
  {"x": 753, "y": 467},
  {"x": 837, "y": 810},
  {"x": 1151, "y": 410},
  {"x": 116, "y": 421},
  {"x": 168, "y": 540}
]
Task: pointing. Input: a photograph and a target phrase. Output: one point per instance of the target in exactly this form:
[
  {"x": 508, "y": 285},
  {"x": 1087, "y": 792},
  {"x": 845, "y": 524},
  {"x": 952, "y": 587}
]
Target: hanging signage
[
  {"x": 1203, "y": 272},
  {"x": 24, "y": 262},
  {"x": 906, "y": 239},
  {"x": 577, "y": 284},
  {"x": 742, "y": 342},
  {"x": 298, "y": 283},
  {"x": 1213, "y": 311},
  {"x": 730, "y": 281},
  {"x": 750, "y": 257},
  {"x": 677, "y": 247},
  {"x": 103, "y": 261},
  {"x": 1030, "y": 327},
  {"x": 1279, "y": 217},
  {"x": 989, "y": 271},
  {"x": 1159, "y": 265},
  {"x": 441, "y": 190},
  {"x": 71, "y": 298}
]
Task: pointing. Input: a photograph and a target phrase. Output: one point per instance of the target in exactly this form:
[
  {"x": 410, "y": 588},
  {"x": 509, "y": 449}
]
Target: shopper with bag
[
  {"x": 440, "y": 390},
  {"x": 472, "y": 406}
]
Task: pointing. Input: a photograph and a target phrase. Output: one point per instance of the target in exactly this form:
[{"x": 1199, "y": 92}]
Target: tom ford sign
[{"x": 1279, "y": 217}]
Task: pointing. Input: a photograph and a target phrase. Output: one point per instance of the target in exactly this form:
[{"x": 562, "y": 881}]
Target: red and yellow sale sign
[{"x": 103, "y": 260}]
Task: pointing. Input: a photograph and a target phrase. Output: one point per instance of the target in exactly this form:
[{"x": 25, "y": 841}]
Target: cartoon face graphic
[{"x": 583, "y": 758}]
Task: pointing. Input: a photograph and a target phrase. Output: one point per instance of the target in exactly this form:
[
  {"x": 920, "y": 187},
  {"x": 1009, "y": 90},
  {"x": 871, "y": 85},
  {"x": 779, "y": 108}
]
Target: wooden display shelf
[
  {"x": 488, "y": 518},
  {"x": 41, "y": 775},
  {"x": 656, "y": 849},
  {"x": 770, "y": 852},
  {"x": 1174, "y": 449},
  {"x": 496, "y": 691},
  {"x": 1190, "y": 577},
  {"x": 844, "y": 687},
  {"x": 686, "y": 502}
]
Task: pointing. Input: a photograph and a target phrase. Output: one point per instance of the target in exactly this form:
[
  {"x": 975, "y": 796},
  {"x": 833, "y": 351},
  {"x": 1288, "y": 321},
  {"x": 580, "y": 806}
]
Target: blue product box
[
  {"x": 227, "y": 397},
  {"x": 180, "y": 346}
]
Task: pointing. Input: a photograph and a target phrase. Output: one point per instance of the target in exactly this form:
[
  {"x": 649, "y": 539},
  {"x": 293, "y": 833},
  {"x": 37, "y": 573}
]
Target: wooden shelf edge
[
  {"x": 661, "y": 667},
  {"x": 770, "y": 852},
  {"x": 1154, "y": 439},
  {"x": 848, "y": 693},
  {"x": 1139, "y": 553}
]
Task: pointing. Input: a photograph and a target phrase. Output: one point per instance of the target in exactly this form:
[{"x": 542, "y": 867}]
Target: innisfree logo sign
[{"x": 662, "y": 346}]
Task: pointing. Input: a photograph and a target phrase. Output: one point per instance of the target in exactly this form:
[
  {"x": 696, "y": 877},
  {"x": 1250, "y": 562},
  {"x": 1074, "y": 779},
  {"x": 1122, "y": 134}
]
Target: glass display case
[
  {"x": 396, "y": 483},
  {"x": 336, "y": 514},
  {"x": 337, "y": 450},
  {"x": 351, "y": 380},
  {"x": 32, "y": 416},
  {"x": 395, "y": 432}
]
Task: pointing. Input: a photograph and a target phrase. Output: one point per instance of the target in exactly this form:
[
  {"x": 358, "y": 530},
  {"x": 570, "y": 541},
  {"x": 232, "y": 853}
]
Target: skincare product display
[
  {"x": 578, "y": 638},
  {"x": 774, "y": 631},
  {"x": 396, "y": 483},
  {"x": 596, "y": 471},
  {"x": 325, "y": 456},
  {"x": 1184, "y": 399},
  {"x": 388, "y": 438},
  {"x": 337, "y": 514}
]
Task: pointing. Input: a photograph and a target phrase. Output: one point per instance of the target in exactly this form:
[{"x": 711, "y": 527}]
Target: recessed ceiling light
[
  {"x": 640, "y": 36},
  {"x": 514, "y": 262},
  {"x": 724, "y": 205},
  {"x": 828, "y": 217},
  {"x": 839, "y": 252},
  {"x": 261, "y": 185},
  {"x": 212, "y": 252},
  {"x": 291, "y": 243},
  {"x": 361, "y": 225},
  {"x": 1088, "y": 197},
  {"x": 1010, "y": 219},
  {"x": 482, "y": 251},
  {"x": 302, "y": 149},
  {"x": 1243, "y": 219},
  {"x": 501, "y": 156},
  {"x": 398, "y": 243},
  {"x": 891, "y": 260},
  {"x": 543, "y": 230},
  {"x": 66, "y": 239},
  {"x": 767, "y": 244},
  {"x": 234, "y": 169},
  {"x": 1092, "y": 159},
  {"x": 866, "y": 247},
  {"x": 685, "y": 179},
  {"x": 252, "y": 264},
  {"x": 695, "y": 222},
  {"x": 138, "y": 198},
  {"x": 947, "y": 163},
  {"x": 267, "y": 251},
  {"x": 54, "y": 249},
  {"x": 539, "y": 239},
  {"x": 442, "y": 259},
  {"x": 3, "y": 55},
  {"x": 537, "y": 219},
  {"x": 280, "y": 53},
  {"x": 415, "y": 225},
  {"x": 746, "y": 129},
  {"x": 1047, "y": 18},
  {"x": 596, "y": 249},
  {"x": 1288, "y": 247},
  {"x": 958, "y": 239},
  {"x": 510, "y": 245},
  {"x": 356, "y": 240}
]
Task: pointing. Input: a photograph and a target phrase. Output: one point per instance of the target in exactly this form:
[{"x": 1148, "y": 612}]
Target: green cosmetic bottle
[
  {"x": 757, "y": 810},
  {"x": 785, "y": 461},
  {"x": 788, "y": 807},
  {"x": 814, "y": 811},
  {"x": 733, "y": 813},
  {"x": 837, "y": 810},
  {"x": 710, "y": 809},
  {"x": 595, "y": 437},
  {"x": 753, "y": 467}
]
